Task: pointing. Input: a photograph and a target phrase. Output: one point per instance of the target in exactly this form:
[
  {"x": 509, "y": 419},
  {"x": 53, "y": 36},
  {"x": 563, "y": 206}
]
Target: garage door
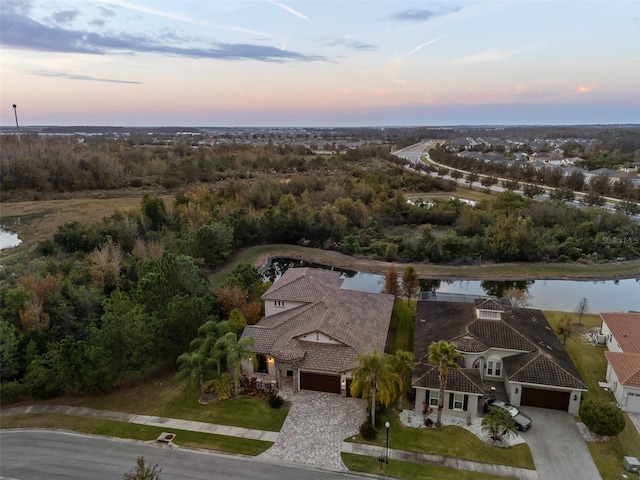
[
  {"x": 536, "y": 397},
  {"x": 320, "y": 382},
  {"x": 633, "y": 402}
]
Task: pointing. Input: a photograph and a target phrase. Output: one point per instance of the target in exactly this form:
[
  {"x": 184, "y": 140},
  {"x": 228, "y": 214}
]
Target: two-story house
[{"x": 313, "y": 330}]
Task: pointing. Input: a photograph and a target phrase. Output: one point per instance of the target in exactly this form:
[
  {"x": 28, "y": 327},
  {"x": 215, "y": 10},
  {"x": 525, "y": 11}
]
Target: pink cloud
[{"x": 582, "y": 89}]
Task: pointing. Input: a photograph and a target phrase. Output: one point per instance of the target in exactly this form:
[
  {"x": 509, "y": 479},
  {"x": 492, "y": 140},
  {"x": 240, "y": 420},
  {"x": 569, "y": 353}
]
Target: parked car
[{"x": 522, "y": 421}]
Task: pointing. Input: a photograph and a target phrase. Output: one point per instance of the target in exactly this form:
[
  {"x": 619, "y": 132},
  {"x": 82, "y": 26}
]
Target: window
[
  {"x": 278, "y": 303},
  {"x": 458, "y": 401},
  {"x": 433, "y": 398},
  {"x": 494, "y": 368}
]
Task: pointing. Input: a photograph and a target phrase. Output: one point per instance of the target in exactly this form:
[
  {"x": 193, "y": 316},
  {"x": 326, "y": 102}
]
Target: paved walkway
[
  {"x": 312, "y": 434},
  {"x": 315, "y": 427}
]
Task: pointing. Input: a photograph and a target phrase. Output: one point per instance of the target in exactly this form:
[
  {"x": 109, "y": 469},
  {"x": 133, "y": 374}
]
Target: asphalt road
[{"x": 52, "y": 455}]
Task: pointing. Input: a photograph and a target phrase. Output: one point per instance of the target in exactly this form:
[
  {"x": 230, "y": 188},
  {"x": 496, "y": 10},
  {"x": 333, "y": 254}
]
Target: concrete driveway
[
  {"x": 558, "y": 449},
  {"x": 314, "y": 430}
]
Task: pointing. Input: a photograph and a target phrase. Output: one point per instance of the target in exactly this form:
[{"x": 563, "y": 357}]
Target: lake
[
  {"x": 603, "y": 295},
  {"x": 8, "y": 239}
]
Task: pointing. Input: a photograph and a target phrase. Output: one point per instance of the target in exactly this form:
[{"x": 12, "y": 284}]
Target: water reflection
[
  {"x": 8, "y": 239},
  {"x": 602, "y": 295}
]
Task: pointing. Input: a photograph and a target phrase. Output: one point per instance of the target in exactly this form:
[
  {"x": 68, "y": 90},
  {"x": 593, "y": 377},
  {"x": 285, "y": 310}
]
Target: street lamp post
[
  {"x": 386, "y": 457},
  {"x": 15, "y": 112}
]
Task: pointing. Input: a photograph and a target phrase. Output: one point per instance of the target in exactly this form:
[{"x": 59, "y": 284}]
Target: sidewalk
[
  {"x": 425, "y": 458},
  {"x": 167, "y": 423},
  {"x": 347, "y": 447}
]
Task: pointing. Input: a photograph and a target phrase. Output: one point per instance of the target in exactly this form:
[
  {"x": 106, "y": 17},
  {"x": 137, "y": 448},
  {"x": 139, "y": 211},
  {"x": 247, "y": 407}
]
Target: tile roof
[
  {"x": 626, "y": 366},
  {"x": 359, "y": 321},
  {"x": 542, "y": 359},
  {"x": 625, "y": 327},
  {"x": 466, "y": 380}
]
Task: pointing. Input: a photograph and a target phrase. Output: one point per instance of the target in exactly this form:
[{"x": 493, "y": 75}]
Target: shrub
[
  {"x": 275, "y": 401},
  {"x": 367, "y": 431},
  {"x": 602, "y": 418},
  {"x": 11, "y": 392},
  {"x": 223, "y": 386}
]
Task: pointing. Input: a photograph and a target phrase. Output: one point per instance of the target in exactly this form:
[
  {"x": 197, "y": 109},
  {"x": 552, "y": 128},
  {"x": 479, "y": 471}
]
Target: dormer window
[
  {"x": 488, "y": 314},
  {"x": 278, "y": 303}
]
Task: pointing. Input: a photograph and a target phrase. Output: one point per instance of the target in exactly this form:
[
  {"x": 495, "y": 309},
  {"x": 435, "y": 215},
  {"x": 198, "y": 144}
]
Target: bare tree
[
  {"x": 582, "y": 308},
  {"x": 518, "y": 297}
]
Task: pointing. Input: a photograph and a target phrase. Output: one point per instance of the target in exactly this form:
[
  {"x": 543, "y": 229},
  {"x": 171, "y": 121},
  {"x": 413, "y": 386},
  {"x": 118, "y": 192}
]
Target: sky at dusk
[{"x": 319, "y": 63}]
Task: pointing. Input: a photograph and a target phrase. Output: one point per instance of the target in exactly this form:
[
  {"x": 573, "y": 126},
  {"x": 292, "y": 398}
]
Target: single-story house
[
  {"x": 621, "y": 332},
  {"x": 313, "y": 330},
  {"x": 507, "y": 349}
]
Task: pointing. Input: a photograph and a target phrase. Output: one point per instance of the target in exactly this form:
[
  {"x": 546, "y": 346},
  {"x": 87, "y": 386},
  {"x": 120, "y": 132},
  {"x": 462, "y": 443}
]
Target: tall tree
[
  {"x": 236, "y": 351},
  {"x": 402, "y": 364},
  {"x": 391, "y": 281},
  {"x": 374, "y": 379},
  {"x": 445, "y": 356},
  {"x": 582, "y": 308},
  {"x": 410, "y": 282},
  {"x": 194, "y": 365}
]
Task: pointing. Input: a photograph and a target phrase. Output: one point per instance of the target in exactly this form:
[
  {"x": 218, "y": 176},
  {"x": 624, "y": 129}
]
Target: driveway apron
[
  {"x": 558, "y": 449},
  {"x": 315, "y": 427}
]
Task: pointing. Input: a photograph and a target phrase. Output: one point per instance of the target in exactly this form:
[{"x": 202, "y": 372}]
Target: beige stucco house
[{"x": 313, "y": 330}]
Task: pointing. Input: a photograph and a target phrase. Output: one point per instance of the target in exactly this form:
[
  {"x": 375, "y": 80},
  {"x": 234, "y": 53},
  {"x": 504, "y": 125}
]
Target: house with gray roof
[
  {"x": 514, "y": 350},
  {"x": 621, "y": 334},
  {"x": 313, "y": 330}
]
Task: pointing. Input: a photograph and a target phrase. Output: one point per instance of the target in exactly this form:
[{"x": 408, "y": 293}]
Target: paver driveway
[
  {"x": 315, "y": 428},
  {"x": 558, "y": 449}
]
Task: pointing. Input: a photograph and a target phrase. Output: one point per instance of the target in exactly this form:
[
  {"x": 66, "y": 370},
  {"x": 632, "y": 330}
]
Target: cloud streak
[
  {"x": 351, "y": 43},
  {"x": 421, "y": 46},
  {"x": 22, "y": 32},
  {"x": 73, "y": 76},
  {"x": 421, "y": 15},
  {"x": 287, "y": 8}
]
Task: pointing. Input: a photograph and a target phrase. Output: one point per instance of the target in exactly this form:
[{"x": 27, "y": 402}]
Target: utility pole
[{"x": 15, "y": 112}]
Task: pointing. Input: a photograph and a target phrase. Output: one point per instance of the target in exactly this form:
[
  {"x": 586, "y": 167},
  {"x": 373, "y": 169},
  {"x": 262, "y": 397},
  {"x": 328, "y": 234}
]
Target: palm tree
[
  {"x": 498, "y": 423},
  {"x": 236, "y": 350},
  {"x": 206, "y": 342},
  {"x": 402, "y": 364},
  {"x": 374, "y": 379},
  {"x": 445, "y": 356},
  {"x": 194, "y": 364}
]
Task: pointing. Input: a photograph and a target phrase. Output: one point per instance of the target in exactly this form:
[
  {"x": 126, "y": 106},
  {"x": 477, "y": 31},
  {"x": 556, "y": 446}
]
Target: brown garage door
[
  {"x": 320, "y": 382},
  {"x": 536, "y": 397}
]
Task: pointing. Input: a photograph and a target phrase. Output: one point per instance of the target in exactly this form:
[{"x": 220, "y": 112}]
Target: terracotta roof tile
[
  {"x": 625, "y": 327},
  {"x": 626, "y": 366}
]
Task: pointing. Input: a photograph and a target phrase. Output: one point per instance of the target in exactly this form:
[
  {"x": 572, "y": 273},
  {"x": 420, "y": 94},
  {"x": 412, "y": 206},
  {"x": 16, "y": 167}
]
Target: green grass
[
  {"x": 111, "y": 428},
  {"x": 451, "y": 441},
  {"x": 592, "y": 365},
  {"x": 259, "y": 256},
  {"x": 179, "y": 399},
  {"x": 402, "y": 325},
  {"x": 410, "y": 470}
]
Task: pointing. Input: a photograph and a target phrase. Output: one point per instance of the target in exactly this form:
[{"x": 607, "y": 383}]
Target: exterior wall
[
  {"x": 343, "y": 382},
  {"x": 514, "y": 392},
  {"x": 611, "y": 341},
  {"x": 272, "y": 307},
  {"x": 574, "y": 402},
  {"x": 247, "y": 366},
  {"x": 318, "y": 337},
  {"x": 472, "y": 404},
  {"x": 614, "y": 384}
]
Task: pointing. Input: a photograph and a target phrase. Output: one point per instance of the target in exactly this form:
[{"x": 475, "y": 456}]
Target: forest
[{"x": 102, "y": 305}]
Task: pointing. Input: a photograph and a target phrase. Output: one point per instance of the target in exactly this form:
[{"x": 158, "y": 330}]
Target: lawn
[
  {"x": 165, "y": 397},
  {"x": 592, "y": 365},
  {"x": 451, "y": 441},
  {"x": 410, "y": 470},
  {"x": 111, "y": 428}
]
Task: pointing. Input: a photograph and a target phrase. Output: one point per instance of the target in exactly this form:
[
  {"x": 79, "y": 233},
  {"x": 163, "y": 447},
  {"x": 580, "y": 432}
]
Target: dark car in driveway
[{"x": 522, "y": 421}]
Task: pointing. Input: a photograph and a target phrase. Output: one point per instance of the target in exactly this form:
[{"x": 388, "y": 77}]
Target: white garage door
[{"x": 633, "y": 402}]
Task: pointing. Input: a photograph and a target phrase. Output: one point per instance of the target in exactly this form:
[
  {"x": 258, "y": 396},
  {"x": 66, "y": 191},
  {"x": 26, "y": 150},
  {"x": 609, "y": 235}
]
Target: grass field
[
  {"x": 110, "y": 428},
  {"x": 451, "y": 441},
  {"x": 592, "y": 365},
  {"x": 409, "y": 470}
]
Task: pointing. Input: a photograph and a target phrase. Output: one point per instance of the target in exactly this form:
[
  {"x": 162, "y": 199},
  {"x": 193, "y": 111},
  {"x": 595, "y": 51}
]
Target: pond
[
  {"x": 602, "y": 295},
  {"x": 8, "y": 239}
]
